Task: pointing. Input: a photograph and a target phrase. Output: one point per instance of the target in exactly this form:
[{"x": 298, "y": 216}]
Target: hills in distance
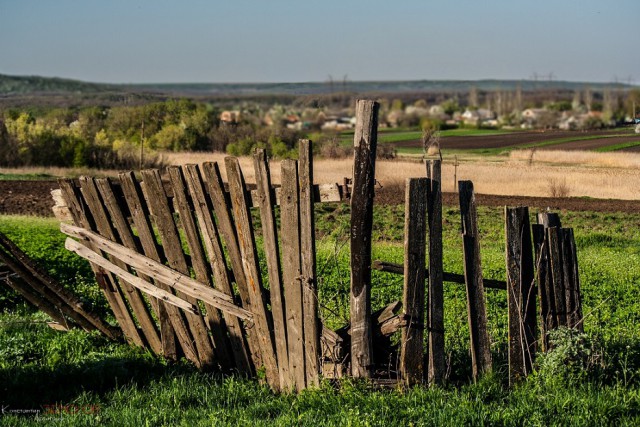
[{"x": 34, "y": 85}]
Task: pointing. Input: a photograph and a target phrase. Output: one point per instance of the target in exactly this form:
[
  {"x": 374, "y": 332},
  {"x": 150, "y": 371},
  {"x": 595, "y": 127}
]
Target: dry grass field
[{"x": 550, "y": 173}]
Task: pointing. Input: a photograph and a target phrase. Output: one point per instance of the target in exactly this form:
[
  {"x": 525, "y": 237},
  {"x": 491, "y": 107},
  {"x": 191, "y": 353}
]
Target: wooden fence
[{"x": 179, "y": 266}]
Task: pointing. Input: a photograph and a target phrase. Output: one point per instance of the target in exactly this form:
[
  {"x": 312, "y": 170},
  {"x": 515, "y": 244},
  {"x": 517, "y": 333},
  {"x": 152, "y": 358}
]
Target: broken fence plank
[
  {"x": 521, "y": 295},
  {"x": 216, "y": 257},
  {"x": 246, "y": 241},
  {"x": 308, "y": 264},
  {"x": 290, "y": 235},
  {"x": 176, "y": 280},
  {"x": 365, "y": 141},
  {"x": 266, "y": 201},
  {"x": 476, "y": 307},
  {"x": 435, "y": 274},
  {"x": 413, "y": 299}
]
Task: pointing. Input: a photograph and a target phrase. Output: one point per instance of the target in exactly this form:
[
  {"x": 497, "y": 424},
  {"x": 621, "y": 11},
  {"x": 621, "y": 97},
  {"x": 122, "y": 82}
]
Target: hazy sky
[{"x": 137, "y": 41}]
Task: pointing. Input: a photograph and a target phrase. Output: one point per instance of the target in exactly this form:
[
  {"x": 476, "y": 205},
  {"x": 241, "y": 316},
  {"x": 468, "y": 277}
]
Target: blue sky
[{"x": 139, "y": 41}]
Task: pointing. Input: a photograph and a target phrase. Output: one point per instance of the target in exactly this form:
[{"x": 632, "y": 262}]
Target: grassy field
[{"x": 592, "y": 379}]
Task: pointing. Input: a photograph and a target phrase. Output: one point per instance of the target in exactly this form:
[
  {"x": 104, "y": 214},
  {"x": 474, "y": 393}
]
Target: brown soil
[
  {"x": 34, "y": 198},
  {"x": 523, "y": 138}
]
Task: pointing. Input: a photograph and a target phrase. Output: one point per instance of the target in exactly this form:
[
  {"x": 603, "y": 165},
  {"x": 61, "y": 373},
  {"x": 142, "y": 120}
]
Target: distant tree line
[{"x": 113, "y": 137}]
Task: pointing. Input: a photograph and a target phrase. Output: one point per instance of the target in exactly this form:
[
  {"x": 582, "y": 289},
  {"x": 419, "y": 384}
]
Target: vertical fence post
[
  {"x": 520, "y": 293},
  {"x": 476, "y": 308},
  {"x": 290, "y": 234},
  {"x": 365, "y": 142},
  {"x": 415, "y": 230},
  {"x": 557, "y": 273},
  {"x": 308, "y": 267},
  {"x": 576, "y": 308},
  {"x": 436, "y": 365}
]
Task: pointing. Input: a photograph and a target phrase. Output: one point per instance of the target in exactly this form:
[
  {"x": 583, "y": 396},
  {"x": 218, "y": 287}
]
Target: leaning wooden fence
[{"x": 178, "y": 263}]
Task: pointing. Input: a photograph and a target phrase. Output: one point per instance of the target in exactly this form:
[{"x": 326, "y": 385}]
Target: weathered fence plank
[
  {"x": 365, "y": 142},
  {"x": 222, "y": 208},
  {"x": 520, "y": 293},
  {"x": 213, "y": 246},
  {"x": 476, "y": 308},
  {"x": 435, "y": 274},
  {"x": 125, "y": 237},
  {"x": 199, "y": 264},
  {"x": 413, "y": 304},
  {"x": 246, "y": 241},
  {"x": 160, "y": 272},
  {"x": 106, "y": 281},
  {"x": 159, "y": 206},
  {"x": 290, "y": 235},
  {"x": 575, "y": 312},
  {"x": 172, "y": 323},
  {"x": 265, "y": 201},
  {"x": 557, "y": 273},
  {"x": 308, "y": 265}
]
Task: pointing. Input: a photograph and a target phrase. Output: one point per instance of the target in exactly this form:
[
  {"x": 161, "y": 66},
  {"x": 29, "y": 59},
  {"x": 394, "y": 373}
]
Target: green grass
[
  {"x": 25, "y": 176},
  {"x": 591, "y": 380}
]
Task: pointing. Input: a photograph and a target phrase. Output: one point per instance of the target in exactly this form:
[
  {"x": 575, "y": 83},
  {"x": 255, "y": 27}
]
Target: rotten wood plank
[
  {"x": 199, "y": 264},
  {"x": 106, "y": 282},
  {"x": 413, "y": 297},
  {"x": 520, "y": 293},
  {"x": 557, "y": 273},
  {"x": 266, "y": 202},
  {"x": 178, "y": 281},
  {"x": 246, "y": 241},
  {"x": 476, "y": 306},
  {"x": 290, "y": 235},
  {"x": 435, "y": 273},
  {"x": 308, "y": 265},
  {"x": 221, "y": 203},
  {"x": 158, "y": 204},
  {"x": 365, "y": 141},
  {"x": 216, "y": 257},
  {"x": 173, "y": 328}
]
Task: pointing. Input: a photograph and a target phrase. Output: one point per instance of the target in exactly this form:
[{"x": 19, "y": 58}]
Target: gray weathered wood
[
  {"x": 221, "y": 202},
  {"x": 543, "y": 279},
  {"x": 476, "y": 307},
  {"x": 143, "y": 285},
  {"x": 160, "y": 272},
  {"x": 125, "y": 237},
  {"x": 265, "y": 201},
  {"x": 365, "y": 141},
  {"x": 106, "y": 281},
  {"x": 199, "y": 264},
  {"x": 413, "y": 297},
  {"x": 435, "y": 311},
  {"x": 520, "y": 293},
  {"x": 213, "y": 246},
  {"x": 290, "y": 235},
  {"x": 171, "y": 243},
  {"x": 308, "y": 265},
  {"x": 173, "y": 327},
  {"x": 246, "y": 241}
]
